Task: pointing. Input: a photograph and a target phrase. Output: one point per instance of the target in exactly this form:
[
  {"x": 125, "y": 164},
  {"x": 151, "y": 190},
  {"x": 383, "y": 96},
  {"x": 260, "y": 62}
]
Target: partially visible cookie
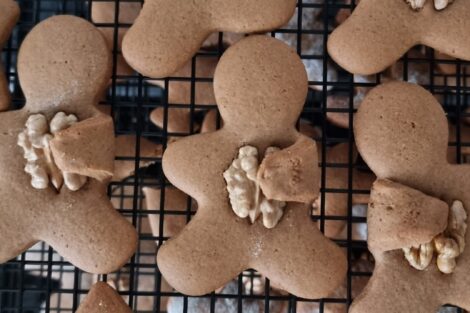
[
  {"x": 103, "y": 299},
  {"x": 419, "y": 205},
  {"x": 178, "y": 29},
  {"x": 226, "y": 304},
  {"x": 228, "y": 39},
  {"x": 311, "y": 45},
  {"x": 173, "y": 213},
  {"x": 450, "y": 73},
  {"x": 337, "y": 177},
  {"x": 199, "y": 92},
  {"x": 58, "y": 152},
  {"x": 9, "y": 14},
  {"x": 379, "y": 32},
  {"x": 104, "y": 12},
  {"x": 359, "y": 280},
  {"x": 126, "y": 148},
  {"x": 414, "y": 71}
]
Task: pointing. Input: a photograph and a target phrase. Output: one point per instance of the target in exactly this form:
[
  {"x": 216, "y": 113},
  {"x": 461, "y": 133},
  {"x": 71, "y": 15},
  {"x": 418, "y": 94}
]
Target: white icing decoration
[
  {"x": 246, "y": 197},
  {"x": 40, "y": 165}
]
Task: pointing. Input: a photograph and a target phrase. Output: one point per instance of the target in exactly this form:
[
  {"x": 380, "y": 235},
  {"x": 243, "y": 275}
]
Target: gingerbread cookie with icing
[
  {"x": 417, "y": 214},
  {"x": 237, "y": 226},
  {"x": 57, "y": 152}
]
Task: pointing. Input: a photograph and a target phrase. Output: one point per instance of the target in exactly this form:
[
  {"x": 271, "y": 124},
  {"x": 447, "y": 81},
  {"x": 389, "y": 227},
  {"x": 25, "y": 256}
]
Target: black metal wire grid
[{"x": 41, "y": 281}]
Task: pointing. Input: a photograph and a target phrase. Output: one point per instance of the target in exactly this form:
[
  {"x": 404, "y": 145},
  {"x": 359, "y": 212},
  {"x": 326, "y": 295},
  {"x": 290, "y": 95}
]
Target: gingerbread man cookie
[
  {"x": 260, "y": 86},
  {"x": 417, "y": 215},
  {"x": 57, "y": 153},
  {"x": 9, "y": 14},
  {"x": 102, "y": 298},
  {"x": 168, "y": 33},
  {"x": 379, "y": 32}
]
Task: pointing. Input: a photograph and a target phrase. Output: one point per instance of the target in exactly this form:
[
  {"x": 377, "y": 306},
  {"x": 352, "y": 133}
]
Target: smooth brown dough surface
[
  {"x": 168, "y": 33},
  {"x": 260, "y": 87},
  {"x": 401, "y": 132},
  {"x": 379, "y": 32},
  {"x": 63, "y": 66},
  {"x": 400, "y": 216},
  {"x": 102, "y": 298}
]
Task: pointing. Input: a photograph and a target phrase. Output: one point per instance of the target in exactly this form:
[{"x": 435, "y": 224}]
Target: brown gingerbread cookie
[
  {"x": 337, "y": 177},
  {"x": 9, "y": 14},
  {"x": 379, "y": 32},
  {"x": 124, "y": 163},
  {"x": 312, "y": 19},
  {"x": 450, "y": 72},
  {"x": 58, "y": 152},
  {"x": 417, "y": 215},
  {"x": 102, "y": 298},
  {"x": 464, "y": 132},
  {"x": 221, "y": 241},
  {"x": 125, "y": 152},
  {"x": 174, "y": 210},
  {"x": 178, "y": 29},
  {"x": 178, "y": 119},
  {"x": 414, "y": 71},
  {"x": 227, "y": 303},
  {"x": 104, "y": 12}
]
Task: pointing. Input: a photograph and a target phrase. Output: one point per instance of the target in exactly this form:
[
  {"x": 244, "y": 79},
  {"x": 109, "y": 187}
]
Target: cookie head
[
  {"x": 63, "y": 62},
  {"x": 260, "y": 81},
  {"x": 414, "y": 146}
]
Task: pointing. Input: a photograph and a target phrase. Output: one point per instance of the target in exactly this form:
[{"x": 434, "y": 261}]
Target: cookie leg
[
  {"x": 204, "y": 257},
  {"x": 90, "y": 233},
  {"x": 164, "y": 53},
  {"x": 300, "y": 260},
  {"x": 389, "y": 291}
]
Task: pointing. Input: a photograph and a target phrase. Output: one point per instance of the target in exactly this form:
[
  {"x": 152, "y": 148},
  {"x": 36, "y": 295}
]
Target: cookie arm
[
  {"x": 400, "y": 217},
  {"x": 291, "y": 174},
  {"x": 86, "y": 148}
]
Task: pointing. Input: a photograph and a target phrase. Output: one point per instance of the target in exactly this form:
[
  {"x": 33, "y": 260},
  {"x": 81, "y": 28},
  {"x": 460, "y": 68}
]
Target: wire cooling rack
[{"x": 41, "y": 281}]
